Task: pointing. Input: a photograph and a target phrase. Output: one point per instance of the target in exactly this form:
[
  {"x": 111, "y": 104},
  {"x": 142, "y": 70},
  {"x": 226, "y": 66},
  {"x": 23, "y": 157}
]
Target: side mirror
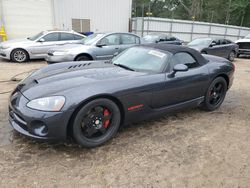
[
  {"x": 41, "y": 40},
  {"x": 178, "y": 68},
  {"x": 101, "y": 44},
  {"x": 212, "y": 44}
]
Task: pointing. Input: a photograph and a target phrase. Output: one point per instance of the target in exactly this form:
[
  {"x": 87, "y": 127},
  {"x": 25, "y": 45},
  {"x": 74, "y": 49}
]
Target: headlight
[
  {"x": 5, "y": 47},
  {"x": 60, "y": 52},
  {"x": 49, "y": 104}
]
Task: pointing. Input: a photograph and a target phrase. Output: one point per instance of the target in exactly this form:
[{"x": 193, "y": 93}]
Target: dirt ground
[{"x": 192, "y": 148}]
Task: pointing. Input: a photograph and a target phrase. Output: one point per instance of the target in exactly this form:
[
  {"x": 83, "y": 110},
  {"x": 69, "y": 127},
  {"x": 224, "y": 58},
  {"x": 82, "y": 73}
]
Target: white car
[
  {"x": 244, "y": 45},
  {"x": 36, "y": 47}
]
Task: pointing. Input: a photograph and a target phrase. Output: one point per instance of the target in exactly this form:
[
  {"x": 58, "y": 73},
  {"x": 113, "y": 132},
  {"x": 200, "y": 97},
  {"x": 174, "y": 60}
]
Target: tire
[
  {"x": 89, "y": 127},
  {"x": 238, "y": 55},
  {"x": 214, "y": 96},
  {"x": 231, "y": 56},
  {"x": 19, "y": 56},
  {"x": 83, "y": 58}
]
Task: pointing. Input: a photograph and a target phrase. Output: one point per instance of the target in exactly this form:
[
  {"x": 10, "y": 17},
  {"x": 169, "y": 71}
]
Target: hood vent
[{"x": 78, "y": 66}]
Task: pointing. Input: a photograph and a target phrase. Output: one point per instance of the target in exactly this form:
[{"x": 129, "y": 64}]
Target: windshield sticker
[{"x": 157, "y": 53}]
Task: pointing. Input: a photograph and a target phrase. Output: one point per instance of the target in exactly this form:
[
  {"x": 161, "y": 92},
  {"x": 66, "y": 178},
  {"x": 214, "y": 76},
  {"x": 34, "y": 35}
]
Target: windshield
[
  {"x": 36, "y": 36},
  {"x": 92, "y": 38},
  {"x": 150, "y": 38},
  {"x": 247, "y": 37},
  {"x": 201, "y": 41},
  {"x": 142, "y": 59}
]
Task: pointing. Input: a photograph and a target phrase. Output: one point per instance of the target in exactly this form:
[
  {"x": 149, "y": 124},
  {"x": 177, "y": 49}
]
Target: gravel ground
[{"x": 192, "y": 148}]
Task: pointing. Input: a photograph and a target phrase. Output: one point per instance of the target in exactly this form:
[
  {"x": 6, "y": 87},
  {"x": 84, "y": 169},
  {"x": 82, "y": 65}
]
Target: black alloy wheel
[
  {"x": 96, "y": 122},
  {"x": 215, "y": 94}
]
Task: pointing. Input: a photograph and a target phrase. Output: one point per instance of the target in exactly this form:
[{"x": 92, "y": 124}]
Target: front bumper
[
  {"x": 34, "y": 123},
  {"x": 244, "y": 51},
  {"x": 50, "y": 58},
  {"x": 5, "y": 53}
]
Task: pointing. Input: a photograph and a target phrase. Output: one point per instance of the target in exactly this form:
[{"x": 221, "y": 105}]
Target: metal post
[
  {"x": 142, "y": 16},
  {"x": 239, "y": 33},
  {"x": 192, "y": 30}
]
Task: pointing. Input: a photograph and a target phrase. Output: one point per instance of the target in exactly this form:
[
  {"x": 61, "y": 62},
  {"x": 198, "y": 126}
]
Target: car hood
[
  {"x": 197, "y": 47},
  {"x": 242, "y": 40},
  {"x": 49, "y": 81},
  {"x": 15, "y": 42}
]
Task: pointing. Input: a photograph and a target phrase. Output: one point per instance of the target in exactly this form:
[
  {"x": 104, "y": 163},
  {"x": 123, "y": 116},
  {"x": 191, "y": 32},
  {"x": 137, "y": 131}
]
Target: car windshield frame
[
  {"x": 151, "y": 38},
  {"x": 37, "y": 36},
  {"x": 92, "y": 39},
  {"x": 145, "y": 52},
  {"x": 201, "y": 41}
]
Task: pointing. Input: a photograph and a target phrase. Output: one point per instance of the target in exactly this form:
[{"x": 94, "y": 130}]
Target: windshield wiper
[{"x": 124, "y": 66}]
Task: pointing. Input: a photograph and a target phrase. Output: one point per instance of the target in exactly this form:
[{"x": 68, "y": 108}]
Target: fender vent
[{"x": 78, "y": 66}]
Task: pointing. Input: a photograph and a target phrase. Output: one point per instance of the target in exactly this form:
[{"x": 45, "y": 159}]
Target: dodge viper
[{"x": 89, "y": 101}]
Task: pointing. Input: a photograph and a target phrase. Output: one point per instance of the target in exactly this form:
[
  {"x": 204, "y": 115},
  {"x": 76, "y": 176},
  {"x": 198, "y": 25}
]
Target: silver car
[
  {"x": 99, "y": 46},
  {"x": 36, "y": 47}
]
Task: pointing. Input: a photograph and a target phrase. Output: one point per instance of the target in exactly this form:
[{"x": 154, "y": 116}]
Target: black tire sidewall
[
  {"x": 114, "y": 126},
  {"x": 207, "y": 106},
  {"x": 13, "y": 59},
  {"x": 82, "y": 58}
]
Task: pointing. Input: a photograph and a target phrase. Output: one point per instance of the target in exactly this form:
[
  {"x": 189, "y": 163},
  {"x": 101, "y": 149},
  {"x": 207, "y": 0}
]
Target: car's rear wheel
[
  {"x": 231, "y": 56},
  {"x": 215, "y": 94},
  {"x": 83, "y": 58},
  {"x": 19, "y": 55},
  {"x": 96, "y": 122}
]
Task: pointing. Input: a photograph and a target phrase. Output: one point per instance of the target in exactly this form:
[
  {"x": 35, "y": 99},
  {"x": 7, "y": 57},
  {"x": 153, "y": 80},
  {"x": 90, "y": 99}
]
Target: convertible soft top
[{"x": 176, "y": 48}]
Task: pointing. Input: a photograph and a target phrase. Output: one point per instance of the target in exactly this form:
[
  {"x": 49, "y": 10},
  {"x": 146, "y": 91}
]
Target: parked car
[
  {"x": 99, "y": 46},
  {"x": 162, "y": 38},
  {"x": 36, "y": 47},
  {"x": 91, "y": 100},
  {"x": 244, "y": 45},
  {"x": 219, "y": 47}
]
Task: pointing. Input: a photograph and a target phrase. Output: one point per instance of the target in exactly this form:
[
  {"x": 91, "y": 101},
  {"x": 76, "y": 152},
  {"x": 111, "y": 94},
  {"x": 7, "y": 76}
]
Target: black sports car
[
  {"x": 218, "y": 46},
  {"x": 90, "y": 100}
]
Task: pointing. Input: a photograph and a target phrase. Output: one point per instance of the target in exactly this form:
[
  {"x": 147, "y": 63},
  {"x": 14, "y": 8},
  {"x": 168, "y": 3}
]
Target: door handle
[{"x": 117, "y": 48}]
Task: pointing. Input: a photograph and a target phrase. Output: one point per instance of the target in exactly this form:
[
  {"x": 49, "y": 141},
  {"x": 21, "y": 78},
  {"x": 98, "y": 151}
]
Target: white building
[{"x": 23, "y": 18}]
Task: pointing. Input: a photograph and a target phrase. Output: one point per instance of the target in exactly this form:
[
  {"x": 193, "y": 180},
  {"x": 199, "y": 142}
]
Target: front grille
[
  {"x": 244, "y": 45},
  {"x": 18, "y": 119}
]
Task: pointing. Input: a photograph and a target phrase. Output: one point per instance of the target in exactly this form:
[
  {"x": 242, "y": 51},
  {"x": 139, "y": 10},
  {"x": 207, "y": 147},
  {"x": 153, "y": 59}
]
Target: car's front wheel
[
  {"x": 231, "y": 56},
  {"x": 19, "y": 55},
  {"x": 96, "y": 122},
  {"x": 215, "y": 94},
  {"x": 82, "y": 58}
]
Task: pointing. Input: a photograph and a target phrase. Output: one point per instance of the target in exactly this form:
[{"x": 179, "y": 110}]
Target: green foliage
[{"x": 233, "y": 12}]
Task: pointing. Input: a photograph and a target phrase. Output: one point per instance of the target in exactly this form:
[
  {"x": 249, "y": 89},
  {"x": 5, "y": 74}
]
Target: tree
[{"x": 234, "y": 12}]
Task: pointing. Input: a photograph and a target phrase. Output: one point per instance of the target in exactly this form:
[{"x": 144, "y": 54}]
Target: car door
[
  {"x": 215, "y": 48},
  {"x": 107, "y": 47},
  {"x": 227, "y": 47},
  {"x": 183, "y": 86},
  {"x": 42, "y": 45},
  {"x": 128, "y": 41}
]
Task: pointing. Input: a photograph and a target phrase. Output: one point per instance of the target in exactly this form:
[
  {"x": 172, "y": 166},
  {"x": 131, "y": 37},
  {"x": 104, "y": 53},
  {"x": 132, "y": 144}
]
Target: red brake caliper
[{"x": 105, "y": 114}]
